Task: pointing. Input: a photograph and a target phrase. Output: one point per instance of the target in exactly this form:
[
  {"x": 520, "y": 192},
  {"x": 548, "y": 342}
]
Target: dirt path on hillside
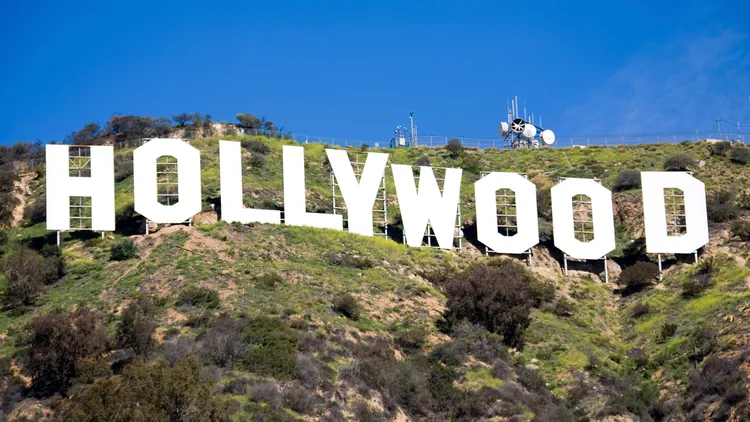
[{"x": 21, "y": 191}]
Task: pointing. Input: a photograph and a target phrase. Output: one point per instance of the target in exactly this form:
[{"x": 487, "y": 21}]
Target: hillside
[{"x": 262, "y": 322}]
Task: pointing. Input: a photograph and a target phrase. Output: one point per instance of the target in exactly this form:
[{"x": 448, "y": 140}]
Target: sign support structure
[
  {"x": 380, "y": 210},
  {"x": 505, "y": 203}
]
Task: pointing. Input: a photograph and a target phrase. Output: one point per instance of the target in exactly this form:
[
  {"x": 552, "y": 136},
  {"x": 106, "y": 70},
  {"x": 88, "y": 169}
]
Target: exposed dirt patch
[{"x": 21, "y": 191}]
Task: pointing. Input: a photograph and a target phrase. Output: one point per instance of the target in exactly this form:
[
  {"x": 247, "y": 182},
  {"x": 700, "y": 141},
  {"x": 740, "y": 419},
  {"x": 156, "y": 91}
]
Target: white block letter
[
  {"x": 526, "y": 214},
  {"x": 230, "y": 168},
  {"x": 358, "y": 196},
  {"x": 427, "y": 205},
  {"x": 294, "y": 194},
  {"x": 100, "y": 187},
  {"x": 654, "y": 213},
  {"x": 188, "y": 180},
  {"x": 603, "y": 219}
]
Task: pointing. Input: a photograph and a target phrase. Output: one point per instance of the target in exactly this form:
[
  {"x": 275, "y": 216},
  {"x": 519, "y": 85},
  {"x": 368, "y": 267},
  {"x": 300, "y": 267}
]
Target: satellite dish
[
  {"x": 517, "y": 125},
  {"x": 548, "y": 137},
  {"x": 529, "y": 131},
  {"x": 504, "y": 129}
]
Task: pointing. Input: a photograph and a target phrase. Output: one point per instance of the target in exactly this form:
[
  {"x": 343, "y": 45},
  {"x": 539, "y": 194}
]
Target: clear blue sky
[{"x": 355, "y": 69}]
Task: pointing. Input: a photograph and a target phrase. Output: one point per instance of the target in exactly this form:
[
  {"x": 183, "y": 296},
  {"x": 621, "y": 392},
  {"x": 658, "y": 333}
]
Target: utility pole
[{"x": 718, "y": 122}]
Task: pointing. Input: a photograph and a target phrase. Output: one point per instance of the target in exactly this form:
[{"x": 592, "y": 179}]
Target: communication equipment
[
  {"x": 519, "y": 132},
  {"x": 401, "y": 139}
]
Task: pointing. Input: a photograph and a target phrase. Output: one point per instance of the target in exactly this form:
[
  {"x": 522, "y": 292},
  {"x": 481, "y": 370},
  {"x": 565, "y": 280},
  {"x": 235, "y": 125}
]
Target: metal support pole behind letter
[
  {"x": 565, "y": 258},
  {"x": 58, "y": 239},
  {"x": 660, "y": 271},
  {"x": 606, "y": 270}
]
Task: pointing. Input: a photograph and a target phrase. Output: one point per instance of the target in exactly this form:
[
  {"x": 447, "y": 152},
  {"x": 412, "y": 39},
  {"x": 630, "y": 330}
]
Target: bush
[
  {"x": 720, "y": 148},
  {"x": 25, "y": 274},
  {"x": 454, "y": 148},
  {"x": 54, "y": 263},
  {"x": 269, "y": 280},
  {"x": 57, "y": 342},
  {"x": 627, "y": 179},
  {"x": 721, "y": 206},
  {"x": 349, "y": 260},
  {"x": 123, "y": 250},
  {"x": 123, "y": 166},
  {"x": 678, "y": 162},
  {"x": 717, "y": 386},
  {"x": 563, "y": 308},
  {"x": 272, "y": 348},
  {"x": 256, "y": 147},
  {"x": 137, "y": 326},
  {"x": 36, "y": 212},
  {"x": 497, "y": 295},
  {"x": 424, "y": 161},
  {"x": 740, "y": 154},
  {"x": 640, "y": 309},
  {"x": 666, "y": 331},
  {"x": 223, "y": 343},
  {"x": 200, "y": 297},
  {"x": 150, "y": 393},
  {"x": 412, "y": 340},
  {"x": 741, "y": 230},
  {"x": 638, "y": 276},
  {"x": 257, "y": 161},
  {"x": 347, "y": 305}
]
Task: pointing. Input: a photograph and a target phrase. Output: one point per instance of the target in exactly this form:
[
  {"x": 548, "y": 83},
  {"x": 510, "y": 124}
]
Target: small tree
[
  {"x": 57, "y": 342},
  {"x": 122, "y": 250},
  {"x": 137, "y": 326},
  {"x": 678, "y": 162},
  {"x": 498, "y": 295},
  {"x": 424, "y": 161},
  {"x": 347, "y": 305},
  {"x": 638, "y": 276},
  {"x": 722, "y": 206},
  {"x": 740, "y": 154},
  {"x": 248, "y": 121},
  {"x": 741, "y": 230},
  {"x": 720, "y": 148},
  {"x": 25, "y": 274},
  {"x": 627, "y": 179},
  {"x": 454, "y": 147},
  {"x": 182, "y": 119}
]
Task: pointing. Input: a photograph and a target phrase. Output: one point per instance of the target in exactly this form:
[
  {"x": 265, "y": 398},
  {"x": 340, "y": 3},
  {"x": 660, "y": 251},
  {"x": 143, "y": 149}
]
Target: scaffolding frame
[
  {"x": 583, "y": 226},
  {"x": 380, "y": 213},
  {"x": 505, "y": 199},
  {"x": 167, "y": 184},
  {"x": 429, "y": 234}
]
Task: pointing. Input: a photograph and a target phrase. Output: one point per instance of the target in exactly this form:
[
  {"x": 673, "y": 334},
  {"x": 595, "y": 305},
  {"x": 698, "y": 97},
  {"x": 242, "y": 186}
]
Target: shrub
[
  {"x": 717, "y": 386},
  {"x": 640, "y": 309},
  {"x": 740, "y": 154},
  {"x": 454, "y": 148},
  {"x": 638, "y": 276},
  {"x": 145, "y": 392},
  {"x": 452, "y": 353},
  {"x": 122, "y": 250},
  {"x": 721, "y": 206},
  {"x": 347, "y": 305},
  {"x": 57, "y": 342},
  {"x": 350, "y": 260},
  {"x": 257, "y": 161},
  {"x": 627, "y": 179},
  {"x": 696, "y": 285},
  {"x": 54, "y": 263},
  {"x": 123, "y": 166},
  {"x": 720, "y": 148},
  {"x": 256, "y": 147},
  {"x": 272, "y": 348},
  {"x": 741, "y": 230},
  {"x": 638, "y": 356},
  {"x": 269, "y": 280},
  {"x": 364, "y": 147},
  {"x": 223, "y": 343},
  {"x": 497, "y": 295},
  {"x": 471, "y": 164},
  {"x": 137, "y": 326},
  {"x": 424, "y": 161},
  {"x": 36, "y": 212},
  {"x": 666, "y": 331},
  {"x": 704, "y": 341},
  {"x": 25, "y": 274},
  {"x": 200, "y": 297},
  {"x": 563, "y": 308},
  {"x": 413, "y": 339},
  {"x": 678, "y": 162}
]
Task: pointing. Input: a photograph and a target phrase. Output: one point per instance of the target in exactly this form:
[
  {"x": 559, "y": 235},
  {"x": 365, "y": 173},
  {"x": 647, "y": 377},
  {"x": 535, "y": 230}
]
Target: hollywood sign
[{"x": 419, "y": 205}]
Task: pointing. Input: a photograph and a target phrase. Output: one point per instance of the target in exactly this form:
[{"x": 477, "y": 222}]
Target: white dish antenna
[
  {"x": 548, "y": 137},
  {"x": 504, "y": 129},
  {"x": 529, "y": 131},
  {"x": 517, "y": 125}
]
